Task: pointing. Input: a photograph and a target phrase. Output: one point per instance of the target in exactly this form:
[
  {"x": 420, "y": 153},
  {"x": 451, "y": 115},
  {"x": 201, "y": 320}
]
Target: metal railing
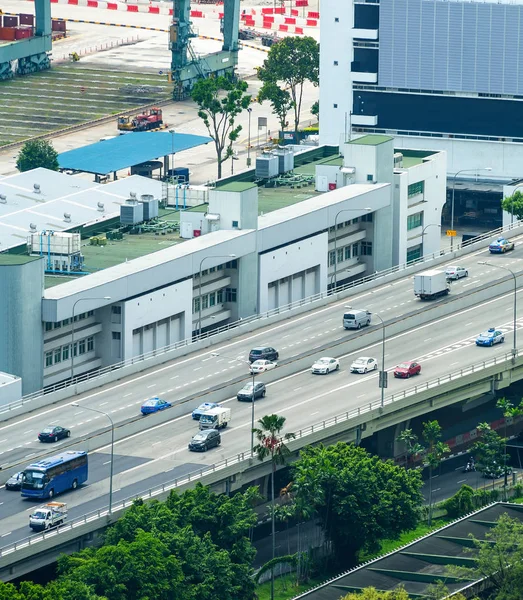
[
  {"x": 258, "y": 317},
  {"x": 245, "y": 457}
]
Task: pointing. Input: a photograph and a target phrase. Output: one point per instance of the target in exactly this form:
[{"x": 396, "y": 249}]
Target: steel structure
[
  {"x": 31, "y": 53},
  {"x": 186, "y": 66}
]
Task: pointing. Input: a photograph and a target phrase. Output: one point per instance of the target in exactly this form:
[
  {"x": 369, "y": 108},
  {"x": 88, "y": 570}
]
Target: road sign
[{"x": 451, "y": 233}]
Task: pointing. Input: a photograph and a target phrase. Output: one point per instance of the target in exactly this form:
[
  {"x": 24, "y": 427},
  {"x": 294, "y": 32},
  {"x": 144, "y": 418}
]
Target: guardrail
[
  {"x": 245, "y": 457},
  {"x": 258, "y": 317}
]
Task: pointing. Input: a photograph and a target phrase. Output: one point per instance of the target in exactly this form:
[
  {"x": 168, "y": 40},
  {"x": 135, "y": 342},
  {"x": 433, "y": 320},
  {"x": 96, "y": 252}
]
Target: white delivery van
[{"x": 356, "y": 319}]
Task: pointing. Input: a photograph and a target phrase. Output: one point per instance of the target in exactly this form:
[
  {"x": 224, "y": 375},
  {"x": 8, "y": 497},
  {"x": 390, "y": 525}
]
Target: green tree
[
  {"x": 359, "y": 499},
  {"x": 513, "y": 204},
  {"x": 37, "y": 153},
  {"x": 489, "y": 451},
  {"x": 434, "y": 454},
  {"x": 499, "y": 559},
  {"x": 280, "y": 100},
  {"x": 315, "y": 109},
  {"x": 509, "y": 412},
  {"x": 271, "y": 443},
  {"x": 290, "y": 63},
  {"x": 220, "y": 100},
  {"x": 461, "y": 503},
  {"x": 412, "y": 446}
]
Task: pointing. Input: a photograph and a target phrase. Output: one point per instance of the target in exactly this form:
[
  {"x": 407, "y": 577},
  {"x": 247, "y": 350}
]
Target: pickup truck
[{"x": 49, "y": 515}]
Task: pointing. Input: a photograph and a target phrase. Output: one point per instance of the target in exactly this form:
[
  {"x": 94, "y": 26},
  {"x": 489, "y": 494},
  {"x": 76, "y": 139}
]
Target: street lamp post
[
  {"x": 112, "y": 450},
  {"x": 249, "y": 110},
  {"x": 367, "y": 209},
  {"x": 383, "y": 373},
  {"x": 200, "y": 287},
  {"x": 72, "y": 328},
  {"x": 514, "y": 316},
  {"x": 423, "y": 234},
  {"x": 172, "y": 132},
  {"x": 240, "y": 360},
  {"x": 453, "y": 190}
]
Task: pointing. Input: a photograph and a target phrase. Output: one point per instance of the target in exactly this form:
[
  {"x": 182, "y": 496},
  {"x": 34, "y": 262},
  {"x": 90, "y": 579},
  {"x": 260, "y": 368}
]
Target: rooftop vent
[
  {"x": 32, "y": 227},
  {"x": 3, "y": 199},
  {"x": 36, "y": 188},
  {"x": 67, "y": 217},
  {"x": 101, "y": 207},
  {"x": 132, "y": 195}
]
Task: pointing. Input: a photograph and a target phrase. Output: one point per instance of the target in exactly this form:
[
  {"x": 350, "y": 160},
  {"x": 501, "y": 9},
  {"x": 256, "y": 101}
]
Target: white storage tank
[
  {"x": 131, "y": 212},
  {"x": 54, "y": 242},
  {"x": 267, "y": 166}
]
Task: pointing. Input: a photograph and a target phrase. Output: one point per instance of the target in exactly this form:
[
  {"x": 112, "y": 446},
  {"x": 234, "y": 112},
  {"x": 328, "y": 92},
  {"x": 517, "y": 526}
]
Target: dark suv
[{"x": 263, "y": 353}]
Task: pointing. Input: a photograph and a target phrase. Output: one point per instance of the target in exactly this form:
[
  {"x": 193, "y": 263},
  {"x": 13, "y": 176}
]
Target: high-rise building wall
[{"x": 439, "y": 69}]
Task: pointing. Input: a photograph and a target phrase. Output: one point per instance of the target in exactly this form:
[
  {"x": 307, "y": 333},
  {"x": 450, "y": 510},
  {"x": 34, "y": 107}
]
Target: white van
[{"x": 356, "y": 319}]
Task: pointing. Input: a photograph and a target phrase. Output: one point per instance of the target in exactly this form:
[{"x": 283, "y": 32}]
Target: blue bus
[{"x": 54, "y": 475}]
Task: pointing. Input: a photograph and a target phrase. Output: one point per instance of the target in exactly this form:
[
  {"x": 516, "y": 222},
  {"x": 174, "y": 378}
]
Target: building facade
[
  {"x": 432, "y": 73},
  {"x": 253, "y": 245}
]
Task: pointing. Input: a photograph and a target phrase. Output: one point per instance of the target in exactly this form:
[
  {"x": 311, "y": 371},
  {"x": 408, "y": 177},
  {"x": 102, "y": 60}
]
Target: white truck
[
  {"x": 430, "y": 285},
  {"x": 49, "y": 515},
  {"x": 216, "y": 418}
]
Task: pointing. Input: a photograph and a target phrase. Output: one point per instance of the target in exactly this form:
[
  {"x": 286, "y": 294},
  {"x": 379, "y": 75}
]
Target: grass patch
[
  {"x": 285, "y": 588},
  {"x": 405, "y": 538}
]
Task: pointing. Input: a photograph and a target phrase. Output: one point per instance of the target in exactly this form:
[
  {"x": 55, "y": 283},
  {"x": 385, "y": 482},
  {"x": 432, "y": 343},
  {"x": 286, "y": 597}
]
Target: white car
[
  {"x": 364, "y": 364},
  {"x": 325, "y": 365},
  {"x": 260, "y": 366},
  {"x": 456, "y": 272}
]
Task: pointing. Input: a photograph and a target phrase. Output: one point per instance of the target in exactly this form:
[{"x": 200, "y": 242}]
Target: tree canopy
[
  {"x": 290, "y": 63},
  {"x": 514, "y": 204},
  {"x": 220, "y": 100},
  {"x": 193, "y": 546},
  {"x": 360, "y": 499},
  {"x": 489, "y": 451},
  {"x": 37, "y": 153}
]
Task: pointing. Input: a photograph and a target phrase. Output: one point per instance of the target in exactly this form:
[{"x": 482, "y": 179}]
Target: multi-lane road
[{"x": 160, "y": 453}]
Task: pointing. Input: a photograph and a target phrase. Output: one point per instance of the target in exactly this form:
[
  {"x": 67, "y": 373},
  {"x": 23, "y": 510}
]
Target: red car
[{"x": 406, "y": 369}]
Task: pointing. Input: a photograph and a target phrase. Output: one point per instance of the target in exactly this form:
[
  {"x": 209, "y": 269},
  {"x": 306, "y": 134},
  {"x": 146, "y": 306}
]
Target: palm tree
[
  {"x": 272, "y": 443},
  {"x": 412, "y": 446},
  {"x": 509, "y": 411},
  {"x": 436, "y": 450}
]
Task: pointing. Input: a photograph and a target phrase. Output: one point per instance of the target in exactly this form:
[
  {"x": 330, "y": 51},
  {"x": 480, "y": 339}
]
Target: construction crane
[
  {"x": 31, "y": 53},
  {"x": 186, "y": 66}
]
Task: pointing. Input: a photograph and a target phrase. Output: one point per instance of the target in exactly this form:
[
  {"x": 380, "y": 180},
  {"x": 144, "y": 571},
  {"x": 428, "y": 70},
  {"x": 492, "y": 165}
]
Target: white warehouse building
[{"x": 102, "y": 282}]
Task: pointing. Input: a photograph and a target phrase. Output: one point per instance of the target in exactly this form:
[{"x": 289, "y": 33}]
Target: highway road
[{"x": 160, "y": 454}]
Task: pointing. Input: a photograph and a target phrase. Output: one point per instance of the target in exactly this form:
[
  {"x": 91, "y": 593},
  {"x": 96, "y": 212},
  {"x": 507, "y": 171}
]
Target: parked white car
[
  {"x": 364, "y": 364},
  {"x": 260, "y": 366},
  {"x": 325, "y": 365},
  {"x": 456, "y": 272}
]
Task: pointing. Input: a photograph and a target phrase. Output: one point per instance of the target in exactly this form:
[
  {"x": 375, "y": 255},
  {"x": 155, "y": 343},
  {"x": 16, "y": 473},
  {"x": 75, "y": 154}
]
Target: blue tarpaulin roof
[{"x": 124, "y": 151}]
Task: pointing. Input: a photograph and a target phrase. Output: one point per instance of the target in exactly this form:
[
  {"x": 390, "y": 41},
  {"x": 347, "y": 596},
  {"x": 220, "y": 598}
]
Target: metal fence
[
  {"x": 244, "y": 457},
  {"x": 237, "y": 324}
]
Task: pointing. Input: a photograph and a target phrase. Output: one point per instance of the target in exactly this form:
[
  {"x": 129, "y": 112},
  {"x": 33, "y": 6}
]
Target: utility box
[
  {"x": 131, "y": 213},
  {"x": 267, "y": 166}
]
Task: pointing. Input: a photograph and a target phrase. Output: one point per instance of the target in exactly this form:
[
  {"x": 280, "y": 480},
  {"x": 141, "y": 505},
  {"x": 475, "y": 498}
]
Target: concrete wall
[
  {"x": 296, "y": 271},
  {"x": 21, "y": 331},
  {"x": 504, "y": 158},
  {"x": 162, "y": 317}
]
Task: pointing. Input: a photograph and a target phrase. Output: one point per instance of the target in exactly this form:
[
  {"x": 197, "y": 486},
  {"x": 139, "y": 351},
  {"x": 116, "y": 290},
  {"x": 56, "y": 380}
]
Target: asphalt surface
[{"x": 442, "y": 346}]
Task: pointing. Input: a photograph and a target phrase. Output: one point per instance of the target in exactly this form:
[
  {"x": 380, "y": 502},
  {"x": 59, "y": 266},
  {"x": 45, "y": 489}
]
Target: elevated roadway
[{"x": 153, "y": 450}]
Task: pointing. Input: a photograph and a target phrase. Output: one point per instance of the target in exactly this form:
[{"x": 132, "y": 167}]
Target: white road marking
[
  {"x": 130, "y": 394},
  {"x": 6, "y": 534},
  {"x": 462, "y": 480},
  {"x": 197, "y": 368},
  {"x": 151, "y": 386},
  {"x": 176, "y": 376}
]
